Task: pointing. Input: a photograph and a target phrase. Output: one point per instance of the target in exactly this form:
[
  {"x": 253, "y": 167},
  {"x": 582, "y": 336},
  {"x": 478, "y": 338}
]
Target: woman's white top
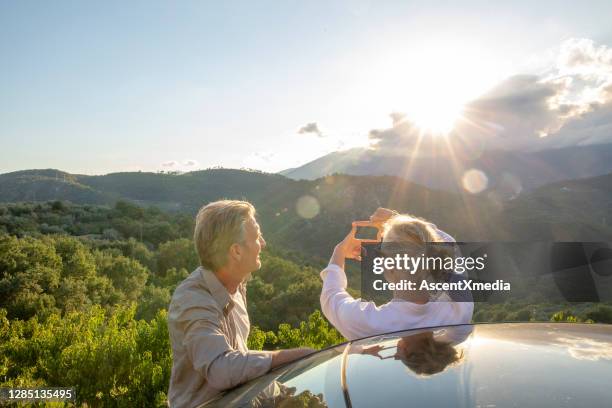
[{"x": 355, "y": 318}]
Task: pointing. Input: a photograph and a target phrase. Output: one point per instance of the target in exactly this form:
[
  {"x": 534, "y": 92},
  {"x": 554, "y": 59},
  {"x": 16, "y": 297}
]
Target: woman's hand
[
  {"x": 373, "y": 350},
  {"x": 349, "y": 247},
  {"x": 381, "y": 215}
]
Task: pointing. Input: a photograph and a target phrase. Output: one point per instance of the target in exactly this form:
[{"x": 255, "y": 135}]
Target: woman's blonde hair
[
  {"x": 432, "y": 357},
  {"x": 408, "y": 229},
  {"x": 218, "y": 226}
]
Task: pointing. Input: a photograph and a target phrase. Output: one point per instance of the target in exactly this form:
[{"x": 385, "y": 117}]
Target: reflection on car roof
[{"x": 514, "y": 364}]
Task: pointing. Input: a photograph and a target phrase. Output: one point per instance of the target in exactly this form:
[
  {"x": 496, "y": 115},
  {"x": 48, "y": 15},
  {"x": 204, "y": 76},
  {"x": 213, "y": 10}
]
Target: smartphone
[{"x": 366, "y": 231}]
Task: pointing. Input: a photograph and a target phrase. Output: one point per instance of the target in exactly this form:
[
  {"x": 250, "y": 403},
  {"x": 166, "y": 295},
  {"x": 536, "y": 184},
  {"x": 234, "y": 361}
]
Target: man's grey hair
[{"x": 219, "y": 225}]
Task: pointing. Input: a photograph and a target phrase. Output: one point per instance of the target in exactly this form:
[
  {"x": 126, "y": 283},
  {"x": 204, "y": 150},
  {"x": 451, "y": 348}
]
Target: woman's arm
[
  {"x": 348, "y": 315},
  {"x": 353, "y": 318}
]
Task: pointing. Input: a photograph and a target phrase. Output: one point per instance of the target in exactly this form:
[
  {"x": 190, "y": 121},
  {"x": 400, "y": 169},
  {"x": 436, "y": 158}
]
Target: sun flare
[
  {"x": 430, "y": 83},
  {"x": 435, "y": 119}
]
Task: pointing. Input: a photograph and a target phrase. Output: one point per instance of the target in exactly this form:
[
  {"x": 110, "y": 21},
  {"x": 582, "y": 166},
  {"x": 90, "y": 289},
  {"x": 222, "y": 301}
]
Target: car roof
[
  {"x": 507, "y": 364},
  {"x": 516, "y": 364}
]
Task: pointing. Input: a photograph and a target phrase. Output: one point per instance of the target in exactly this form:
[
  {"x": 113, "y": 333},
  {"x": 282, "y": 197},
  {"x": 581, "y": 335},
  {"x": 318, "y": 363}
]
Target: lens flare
[
  {"x": 307, "y": 207},
  {"x": 475, "y": 181}
]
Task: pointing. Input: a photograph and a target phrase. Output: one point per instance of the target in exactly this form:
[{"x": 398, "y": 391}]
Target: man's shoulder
[
  {"x": 194, "y": 279},
  {"x": 191, "y": 292}
]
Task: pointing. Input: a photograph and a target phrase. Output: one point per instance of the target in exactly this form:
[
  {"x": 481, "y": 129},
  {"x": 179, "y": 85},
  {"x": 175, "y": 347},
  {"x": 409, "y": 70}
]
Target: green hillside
[
  {"x": 44, "y": 185},
  {"x": 577, "y": 210},
  {"x": 84, "y": 288},
  {"x": 84, "y": 291}
]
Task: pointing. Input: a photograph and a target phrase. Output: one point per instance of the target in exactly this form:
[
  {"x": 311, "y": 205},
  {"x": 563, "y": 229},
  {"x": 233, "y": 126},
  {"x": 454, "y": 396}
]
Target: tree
[
  {"x": 77, "y": 260},
  {"x": 564, "y": 316},
  {"x": 177, "y": 254},
  {"x": 172, "y": 278},
  {"x": 58, "y": 206},
  {"x": 29, "y": 274},
  {"x": 111, "y": 358},
  {"x": 126, "y": 274},
  {"x": 129, "y": 210},
  {"x": 601, "y": 314},
  {"x": 152, "y": 300},
  {"x": 157, "y": 232},
  {"x": 315, "y": 333}
]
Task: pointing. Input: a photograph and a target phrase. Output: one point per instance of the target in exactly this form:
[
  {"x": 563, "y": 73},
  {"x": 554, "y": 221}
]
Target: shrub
[{"x": 602, "y": 314}]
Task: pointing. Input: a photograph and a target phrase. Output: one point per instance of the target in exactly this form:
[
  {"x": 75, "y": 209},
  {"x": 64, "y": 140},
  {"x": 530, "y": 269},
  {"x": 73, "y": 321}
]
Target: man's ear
[{"x": 235, "y": 252}]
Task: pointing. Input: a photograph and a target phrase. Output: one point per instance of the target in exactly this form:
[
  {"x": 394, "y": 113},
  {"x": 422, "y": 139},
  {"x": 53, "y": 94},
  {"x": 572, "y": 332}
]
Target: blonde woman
[{"x": 407, "y": 310}]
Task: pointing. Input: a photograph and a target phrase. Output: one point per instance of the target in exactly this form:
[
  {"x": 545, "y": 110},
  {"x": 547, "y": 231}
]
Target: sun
[
  {"x": 436, "y": 119},
  {"x": 432, "y": 104},
  {"x": 431, "y": 82}
]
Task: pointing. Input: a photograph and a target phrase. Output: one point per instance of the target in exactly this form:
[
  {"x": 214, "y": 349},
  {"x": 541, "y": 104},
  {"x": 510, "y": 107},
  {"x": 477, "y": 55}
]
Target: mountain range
[
  {"x": 313, "y": 215},
  {"x": 507, "y": 171}
]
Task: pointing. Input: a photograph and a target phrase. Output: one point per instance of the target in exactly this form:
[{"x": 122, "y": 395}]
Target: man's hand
[{"x": 281, "y": 357}]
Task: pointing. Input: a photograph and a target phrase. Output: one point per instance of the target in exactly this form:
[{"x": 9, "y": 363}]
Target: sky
[{"x": 100, "y": 87}]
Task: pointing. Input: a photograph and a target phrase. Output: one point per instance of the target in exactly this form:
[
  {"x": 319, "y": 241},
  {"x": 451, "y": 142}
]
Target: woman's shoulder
[{"x": 402, "y": 310}]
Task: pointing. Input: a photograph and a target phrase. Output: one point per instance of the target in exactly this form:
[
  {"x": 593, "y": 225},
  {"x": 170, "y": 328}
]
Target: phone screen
[{"x": 366, "y": 233}]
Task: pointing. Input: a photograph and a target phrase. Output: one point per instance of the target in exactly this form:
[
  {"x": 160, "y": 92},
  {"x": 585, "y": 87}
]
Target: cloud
[
  {"x": 511, "y": 115},
  {"x": 581, "y": 56},
  {"x": 310, "y": 128},
  {"x": 592, "y": 127},
  {"x": 514, "y": 113},
  {"x": 265, "y": 156},
  {"x": 588, "y": 349},
  {"x": 569, "y": 103},
  {"x": 402, "y": 135},
  {"x": 185, "y": 165},
  {"x": 264, "y": 160},
  {"x": 190, "y": 163}
]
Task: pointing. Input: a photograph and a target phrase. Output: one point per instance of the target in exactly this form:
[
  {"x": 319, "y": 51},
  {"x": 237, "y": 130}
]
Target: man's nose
[{"x": 262, "y": 242}]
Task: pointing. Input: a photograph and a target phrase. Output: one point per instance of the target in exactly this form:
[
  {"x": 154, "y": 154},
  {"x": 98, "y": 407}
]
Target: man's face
[{"x": 252, "y": 246}]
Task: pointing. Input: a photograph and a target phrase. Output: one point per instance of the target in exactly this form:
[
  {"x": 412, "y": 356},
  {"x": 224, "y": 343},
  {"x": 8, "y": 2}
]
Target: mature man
[{"x": 207, "y": 318}]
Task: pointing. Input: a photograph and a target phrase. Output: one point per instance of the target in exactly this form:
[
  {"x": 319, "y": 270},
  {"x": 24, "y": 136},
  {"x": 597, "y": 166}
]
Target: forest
[{"x": 84, "y": 291}]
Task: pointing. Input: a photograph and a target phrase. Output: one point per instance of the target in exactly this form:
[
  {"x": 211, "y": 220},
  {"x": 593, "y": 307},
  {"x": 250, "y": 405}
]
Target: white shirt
[{"x": 355, "y": 318}]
